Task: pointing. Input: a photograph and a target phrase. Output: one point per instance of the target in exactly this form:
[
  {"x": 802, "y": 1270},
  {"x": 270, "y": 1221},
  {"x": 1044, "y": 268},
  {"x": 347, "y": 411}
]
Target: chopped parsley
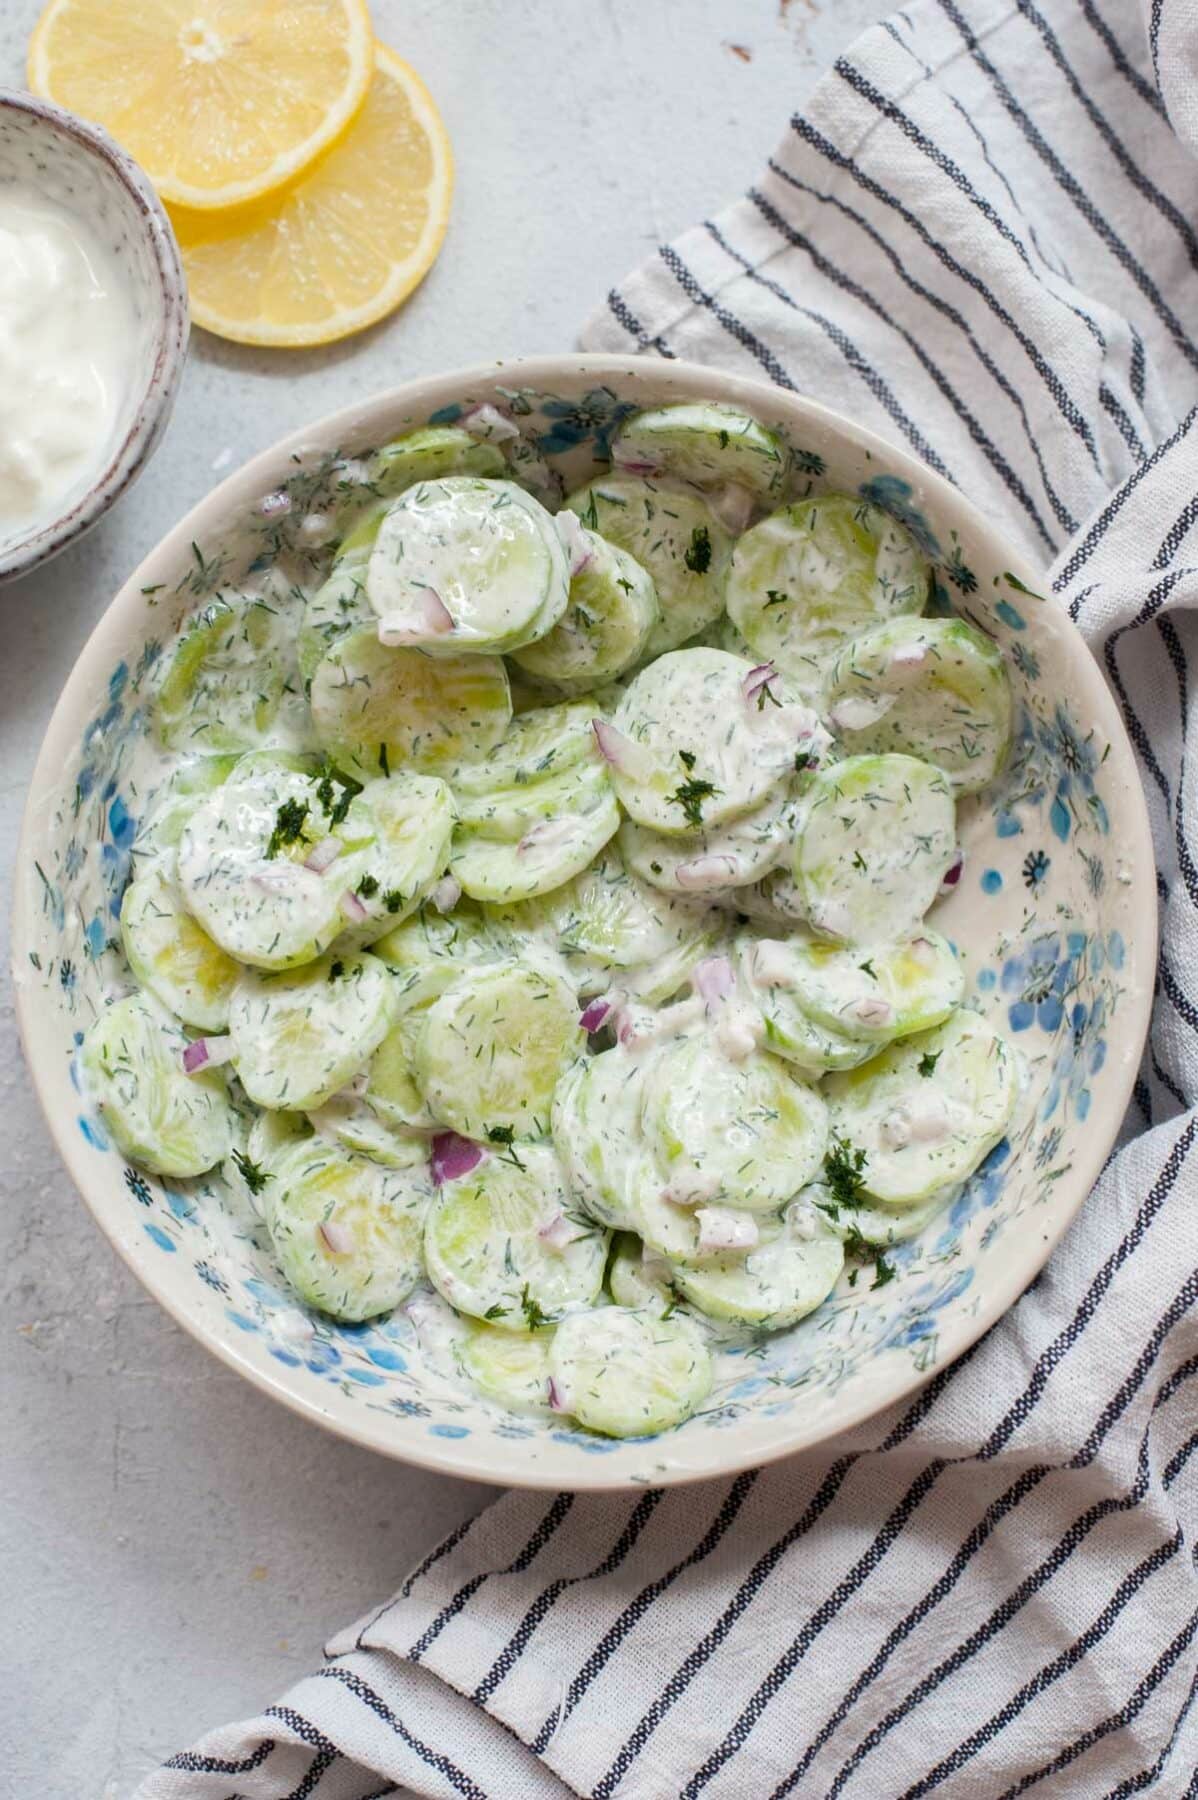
[
  {"x": 690, "y": 796},
  {"x": 368, "y": 887},
  {"x": 843, "y": 1167},
  {"x": 656, "y": 867},
  {"x": 927, "y": 1062},
  {"x": 590, "y": 514},
  {"x": 336, "y": 970},
  {"x": 859, "y": 862},
  {"x": 687, "y": 759},
  {"x": 534, "y": 1315},
  {"x": 497, "y": 1311},
  {"x": 336, "y": 805},
  {"x": 867, "y": 968},
  {"x": 775, "y": 597},
  {"x": 803, "y": 760},
  {"x": 384, "y": 764},
  {"x": 864, "y": 1253},
  {"x": 290, "y": 820},
  {"x": 697, "y": 555},
  {"x": 252, "y": 1173},
  {"x": 505, "y": 1135},
  {"x": 393, "y": 900}
]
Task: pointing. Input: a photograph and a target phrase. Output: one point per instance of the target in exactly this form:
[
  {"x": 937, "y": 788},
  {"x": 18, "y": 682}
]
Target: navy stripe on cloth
[
  {"x": 536, "y": 1543},
  {"x": 435, "y": 1759}
]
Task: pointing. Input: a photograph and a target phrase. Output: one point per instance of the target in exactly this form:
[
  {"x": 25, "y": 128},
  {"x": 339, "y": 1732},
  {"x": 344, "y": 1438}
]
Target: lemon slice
[
  {"x": 345, "y": 243},
  {"x": 219, "y": 100}
]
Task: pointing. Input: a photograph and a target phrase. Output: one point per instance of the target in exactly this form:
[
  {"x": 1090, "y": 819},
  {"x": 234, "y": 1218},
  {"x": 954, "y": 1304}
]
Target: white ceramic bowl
[
  {"x": 79, "y": 166},
  {"x": 1055, "y": 916}
]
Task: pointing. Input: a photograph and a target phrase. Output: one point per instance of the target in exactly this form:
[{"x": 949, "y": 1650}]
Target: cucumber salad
[{"x": 529, "y": 917}]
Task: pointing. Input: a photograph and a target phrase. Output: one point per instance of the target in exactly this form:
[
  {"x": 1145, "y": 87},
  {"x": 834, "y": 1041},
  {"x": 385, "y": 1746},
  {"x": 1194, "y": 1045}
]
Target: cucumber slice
[
  {"x": 487, "y": 556},
  {"x": 396, "y": 835},
  {"x": 391, "y": 1087},
  {"x": 375, "y": 709},
  {"x": 347, "y": 1232},
  {"x": 613, "y": 608},
  {"x": 596, "y": 1129},
  {"x": 876, "y": 837},
  {"x": 249, "y": 1167},
  {"x": 766, "y": 977},
  {"x": 677, "y": 539},
  {"x": 881, "y": 1226},
  {"x": 552, "y": 852},
  {"x": 241, "y": 866},
  {"x": 492, "y": 1047},
  {"x": 743, "y": 1134},
  {"x": 300, "y": 1035},
  {"x": 172, "y": 956},
  {"x": 428, "y": 951},
  {"x": 929, "y": 1109},
  {"x": 607, "y": 922},
  {"x": 429, "y": 454},
  {"x": 933, "y": 688},
  {"x": 507, "y": 813},
  {"x": 891, "y": 992},
  {"x": 233, "y": 682},
  {"x": 705, "y": 443},
  {"x": 733, "y": 855},
  {"x": 627, "y": 1372},
  {"x": 816, "y": 573},
  {"x": 778, "y": 1283},
  {"x": 675, "y": 1232},
  {"x": 486, "y": 1253},
  {"x": 172, "y": 804},
  {"x": 340, "y": 604},
  {"x": 351, "y": 1121},
  {"x": 702, "y": 751},
  {"x": 514, "y": 1371},
  {"x": 163, "y": 1119},
  {"x": 637, "y": 1277},
  {"x": 540, "y": 743}
]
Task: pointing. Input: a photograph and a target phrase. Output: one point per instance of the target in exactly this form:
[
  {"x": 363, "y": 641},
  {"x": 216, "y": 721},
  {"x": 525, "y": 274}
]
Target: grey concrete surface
[{"x": 173, "y": 1546}]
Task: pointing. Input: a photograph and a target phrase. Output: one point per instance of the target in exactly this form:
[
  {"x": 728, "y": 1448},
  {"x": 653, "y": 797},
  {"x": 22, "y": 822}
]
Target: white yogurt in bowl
[{"x": 67, "y": 331}]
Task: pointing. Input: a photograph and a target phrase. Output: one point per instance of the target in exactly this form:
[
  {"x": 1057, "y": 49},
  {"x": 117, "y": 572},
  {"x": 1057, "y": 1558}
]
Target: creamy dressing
[{"x": 66, "y": 330}]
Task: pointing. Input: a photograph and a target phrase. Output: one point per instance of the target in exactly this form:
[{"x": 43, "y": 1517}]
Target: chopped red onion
[
  {"x": 206, "y": 1053},
  {"x": 544, "y": 835},
  {"x": 922, "y": 950},
  {"x": 576, "y": 540},
  {"x": 624, "y": 754},
  {"x": 732, "y": 506},
  {"x": 910, "y": 656},
  {"x": 432, "y": 618},
  {"x": 558, "y": 1233},
  {"x": 452, "y": 1157},
  {"x": 352, "y": 907},
  {"x": 703, "y": 874},
  {"x": 324, "y": 854},
  {"x": 870, "y": 1011},
  {"x": 595, "y": 1014},
  {"x": 722, "y": 1230},
  {"x": 556, "y": 1395},
  {"x": 756, "y": 679},
  {"x": 446, "y": 894},
  {"x": 634, "y": 462},
  {"x": 713, "y": 979},
  {"x": 337, "y": 1238},
  {"x": 952, "y": 874},
  {"x": 486, "y": 421},
  {"x": 275, "y": 880},
  {"x": 273, "y": 506}
]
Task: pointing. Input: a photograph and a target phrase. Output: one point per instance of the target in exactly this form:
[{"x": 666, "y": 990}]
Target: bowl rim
[
  {"x": 258, "y": 475},
  {"x": 172, "y": 328}
]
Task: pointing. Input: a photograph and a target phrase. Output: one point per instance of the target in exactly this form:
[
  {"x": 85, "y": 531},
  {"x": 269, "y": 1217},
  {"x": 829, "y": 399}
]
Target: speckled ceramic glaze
[
  {"x": 1055, "y": 917},
  {"x": 80, "y": 167}
]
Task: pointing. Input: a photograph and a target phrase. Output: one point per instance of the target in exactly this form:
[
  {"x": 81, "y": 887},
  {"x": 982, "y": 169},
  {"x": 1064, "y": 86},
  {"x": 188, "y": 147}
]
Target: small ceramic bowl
[
  {"x": 1054, "y": 917},
  {"x": 79, "y": 166}
]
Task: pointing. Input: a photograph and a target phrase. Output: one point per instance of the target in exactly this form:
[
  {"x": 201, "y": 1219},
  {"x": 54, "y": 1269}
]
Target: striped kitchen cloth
[{"x": 979, "y": 239}]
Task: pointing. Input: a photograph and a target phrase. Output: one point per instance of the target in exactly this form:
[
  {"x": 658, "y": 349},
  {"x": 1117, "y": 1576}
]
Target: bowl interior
[
  {"x": 1054, "y": 917},
  {"x": 76, "y": 167}
]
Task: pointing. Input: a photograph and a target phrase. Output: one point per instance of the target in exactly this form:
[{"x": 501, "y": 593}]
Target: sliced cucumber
[
  {"x": 467, "y": 564},
  {"x": 881, "y": 1226},
  {"x": 300, "y": 1035},
  {"x": 928, "y": 1110},
  {"x": 340, "y": 604},
  {"x": 162, "y": 1118},
  {"x": 492, "y": 1047},
  {"x": 486, "y": 1249},
  {"x": 596, "y": 1128},
  {"x": 678, "y": 1233},
  {"x": 875, "y": 840},
  {"x": 376, "y": 709},
  {"x": 241, "y": 870},
  {"x": 816, "y": 573},
  {"x": 780, "y": 1281},
  {"x": 675, "y": 536},
  {"x": 392, "y": 1090},
  {"x": 396, "y": 835},
  {"x": 743, "y": 1134},
  {"x": 551, "y": 852},
  {"x": 637, "y": 1277},
  {"x": 429, "y": 454},
  {"x": 428, "y": 951},
  {"x": 507, "y": 813},
  {"x": 352, "y": 1121},
  {"x": 877, "y": 993},
  {"x": 540, "y": 743},
  {"x": 732, "y": 855},
  {"x": 705, "y": 443},
  {"x": 627, "y": 1372},
  {"x": 511, "y": 1370},
  {"x": 347, "y": 1232},
  {"x": 233, "y": 682},
  {"x": 692, "y": 748},
  {"x": 933, "y": 688},
  {"x": 171, "y": 955},
  {"x": 613, "y": 608},
  {"x": 172, "y": 804},
  {"x": 249, "y": 1167}
]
